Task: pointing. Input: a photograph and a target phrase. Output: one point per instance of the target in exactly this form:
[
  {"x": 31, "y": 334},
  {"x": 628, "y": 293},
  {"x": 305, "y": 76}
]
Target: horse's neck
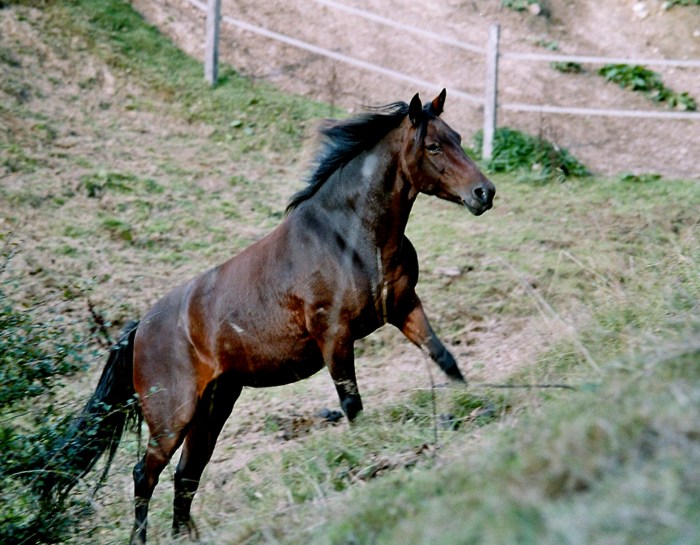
[{"x": 371, "y": 196}]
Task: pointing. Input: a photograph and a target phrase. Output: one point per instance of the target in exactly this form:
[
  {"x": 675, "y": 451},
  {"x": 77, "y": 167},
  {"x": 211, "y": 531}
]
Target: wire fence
[{"x": 491, "y": 90}]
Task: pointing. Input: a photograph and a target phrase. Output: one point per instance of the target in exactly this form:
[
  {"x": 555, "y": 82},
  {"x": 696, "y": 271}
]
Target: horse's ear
[
  {"x": 438, "y": 104},
  {"x": 415, "y": 109}
]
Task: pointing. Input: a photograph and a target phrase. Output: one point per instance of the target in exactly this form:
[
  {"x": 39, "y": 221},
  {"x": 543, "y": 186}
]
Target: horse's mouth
[
  {"x": 477, "y": 209},
  {"x": 478, "y": 199}
]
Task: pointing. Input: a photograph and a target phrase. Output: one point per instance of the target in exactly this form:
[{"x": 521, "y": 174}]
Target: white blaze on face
[{"x": 369, "y": 166}]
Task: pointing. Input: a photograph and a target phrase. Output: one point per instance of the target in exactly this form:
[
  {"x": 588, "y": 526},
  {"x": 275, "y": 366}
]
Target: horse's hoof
[
  {"x": 448, "y": 422},
  {"x": 186, "y": 530},
  {"x": 329, "y": 415},
  {"x": 485, "y": 413}
]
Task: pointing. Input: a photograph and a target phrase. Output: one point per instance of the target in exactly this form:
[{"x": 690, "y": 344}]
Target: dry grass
[{"x": 117, "y": 182}]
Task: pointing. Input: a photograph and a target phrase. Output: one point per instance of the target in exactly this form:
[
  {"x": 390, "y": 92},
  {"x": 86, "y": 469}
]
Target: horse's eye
[{"x": 434, "y": 148}]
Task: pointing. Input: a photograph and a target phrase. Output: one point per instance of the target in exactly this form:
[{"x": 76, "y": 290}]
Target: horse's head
[{"x": 435, "y": 162}]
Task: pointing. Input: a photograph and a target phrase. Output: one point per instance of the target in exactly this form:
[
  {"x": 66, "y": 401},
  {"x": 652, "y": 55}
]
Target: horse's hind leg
[
  {"x": 213, "y": 410},
  {"x": 168, "y": 426},
  {"x": 146, "y": 475}
]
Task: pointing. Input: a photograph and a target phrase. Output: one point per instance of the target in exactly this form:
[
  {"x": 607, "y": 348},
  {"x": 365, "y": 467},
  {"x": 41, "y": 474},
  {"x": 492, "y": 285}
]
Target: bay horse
[{"x": 337, "y": 268}]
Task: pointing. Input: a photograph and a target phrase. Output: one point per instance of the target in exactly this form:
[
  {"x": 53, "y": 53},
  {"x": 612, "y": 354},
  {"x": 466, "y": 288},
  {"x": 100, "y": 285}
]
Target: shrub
[
  {"x": 638, "y": 78},
  {"x": 644, "y": 178},
  {"x": 567, "y": 67},
  {"x": 670, "y": 3},
  {"x": 36, "y": 353},
  {"x": 517, "y": 5},
  {"x": 514, "y": 151},
  {"x": 548, "y": 44}
]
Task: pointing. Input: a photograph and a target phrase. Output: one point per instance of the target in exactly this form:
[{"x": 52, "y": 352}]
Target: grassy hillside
[
  {"x": 615, "y": 461},
  {"x": 122, "y": 173}
]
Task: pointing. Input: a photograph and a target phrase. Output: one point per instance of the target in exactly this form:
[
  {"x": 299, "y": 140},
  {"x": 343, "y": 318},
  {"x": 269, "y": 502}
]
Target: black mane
[{"x": 344, "y": 140}]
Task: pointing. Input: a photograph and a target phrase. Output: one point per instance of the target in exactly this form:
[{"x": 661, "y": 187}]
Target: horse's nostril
[{"x": 483, "y": 193}]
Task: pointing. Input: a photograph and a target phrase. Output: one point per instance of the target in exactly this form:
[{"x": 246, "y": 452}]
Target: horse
[{"x": 338, "y": 267}]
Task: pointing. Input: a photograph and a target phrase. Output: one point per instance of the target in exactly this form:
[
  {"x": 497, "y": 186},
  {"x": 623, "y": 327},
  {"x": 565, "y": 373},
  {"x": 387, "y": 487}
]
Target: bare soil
[{"x": 609, "y": 146}]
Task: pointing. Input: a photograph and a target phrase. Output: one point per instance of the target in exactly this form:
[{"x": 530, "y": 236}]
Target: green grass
[
  {"x": 98, "y": 183},
  {"x": 613, "y": 462},
  {"x": 243, "y": 112}
]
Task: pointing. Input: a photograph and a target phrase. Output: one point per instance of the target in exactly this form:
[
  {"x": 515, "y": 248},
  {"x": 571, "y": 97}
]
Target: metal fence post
[
  {"x": 211, "y": 52},
  {"x": 491, "y": 96}
]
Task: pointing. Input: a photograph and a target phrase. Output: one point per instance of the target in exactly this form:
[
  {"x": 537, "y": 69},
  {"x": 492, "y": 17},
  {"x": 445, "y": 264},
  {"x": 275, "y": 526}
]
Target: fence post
[
  {"x": 491, "y": 97},
  {"x": 211, "y": 51}
]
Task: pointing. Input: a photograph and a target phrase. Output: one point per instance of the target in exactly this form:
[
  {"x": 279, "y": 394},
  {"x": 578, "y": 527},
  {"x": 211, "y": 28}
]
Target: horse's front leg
[
  {"x": 414, "y": 324},
  {"x": 340, "y": 359}
]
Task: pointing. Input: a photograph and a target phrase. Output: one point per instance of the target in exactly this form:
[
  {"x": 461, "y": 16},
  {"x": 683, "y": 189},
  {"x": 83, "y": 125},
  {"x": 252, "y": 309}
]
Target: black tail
[{"x": 99, "y": 426}]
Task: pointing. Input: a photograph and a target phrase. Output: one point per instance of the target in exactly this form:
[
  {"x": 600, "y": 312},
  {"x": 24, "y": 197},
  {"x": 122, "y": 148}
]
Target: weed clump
[
  {"x": 647, "y": 177},
  {"x": 535, "y": 158},
  {"x": 670, "y": 3},
  {"x": 518, "y": 5},
  {"x": 567, "y": 67},
  {"x": 640, "y": 79}
]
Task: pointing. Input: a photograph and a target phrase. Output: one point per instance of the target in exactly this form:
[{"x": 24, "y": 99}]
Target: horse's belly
[
  {"x": 282, "y": 373},
  {"x": 272, "y": 361}
]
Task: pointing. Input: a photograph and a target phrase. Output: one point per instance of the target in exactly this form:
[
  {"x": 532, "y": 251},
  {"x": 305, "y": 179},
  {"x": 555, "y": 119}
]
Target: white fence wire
[{"x": 472, "y": 49}]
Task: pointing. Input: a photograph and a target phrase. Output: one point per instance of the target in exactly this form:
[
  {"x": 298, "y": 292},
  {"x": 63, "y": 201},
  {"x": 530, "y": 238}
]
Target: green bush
[
  {"x": 36, "y": 353},
  {"x": 647, "y": 177},
  {"x": 567, "y": 67},
  {"x": 517, "y": 5},
  {"x": 671, "y": 3},
  {"x": 638, "y": 78},
  {"x": 548, "y": 44},
  {"x": 514, "y": 151}
]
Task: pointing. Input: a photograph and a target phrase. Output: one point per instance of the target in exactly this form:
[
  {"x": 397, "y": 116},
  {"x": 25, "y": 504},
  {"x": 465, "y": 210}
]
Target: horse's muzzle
[{"x": 480, "y": 199}]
